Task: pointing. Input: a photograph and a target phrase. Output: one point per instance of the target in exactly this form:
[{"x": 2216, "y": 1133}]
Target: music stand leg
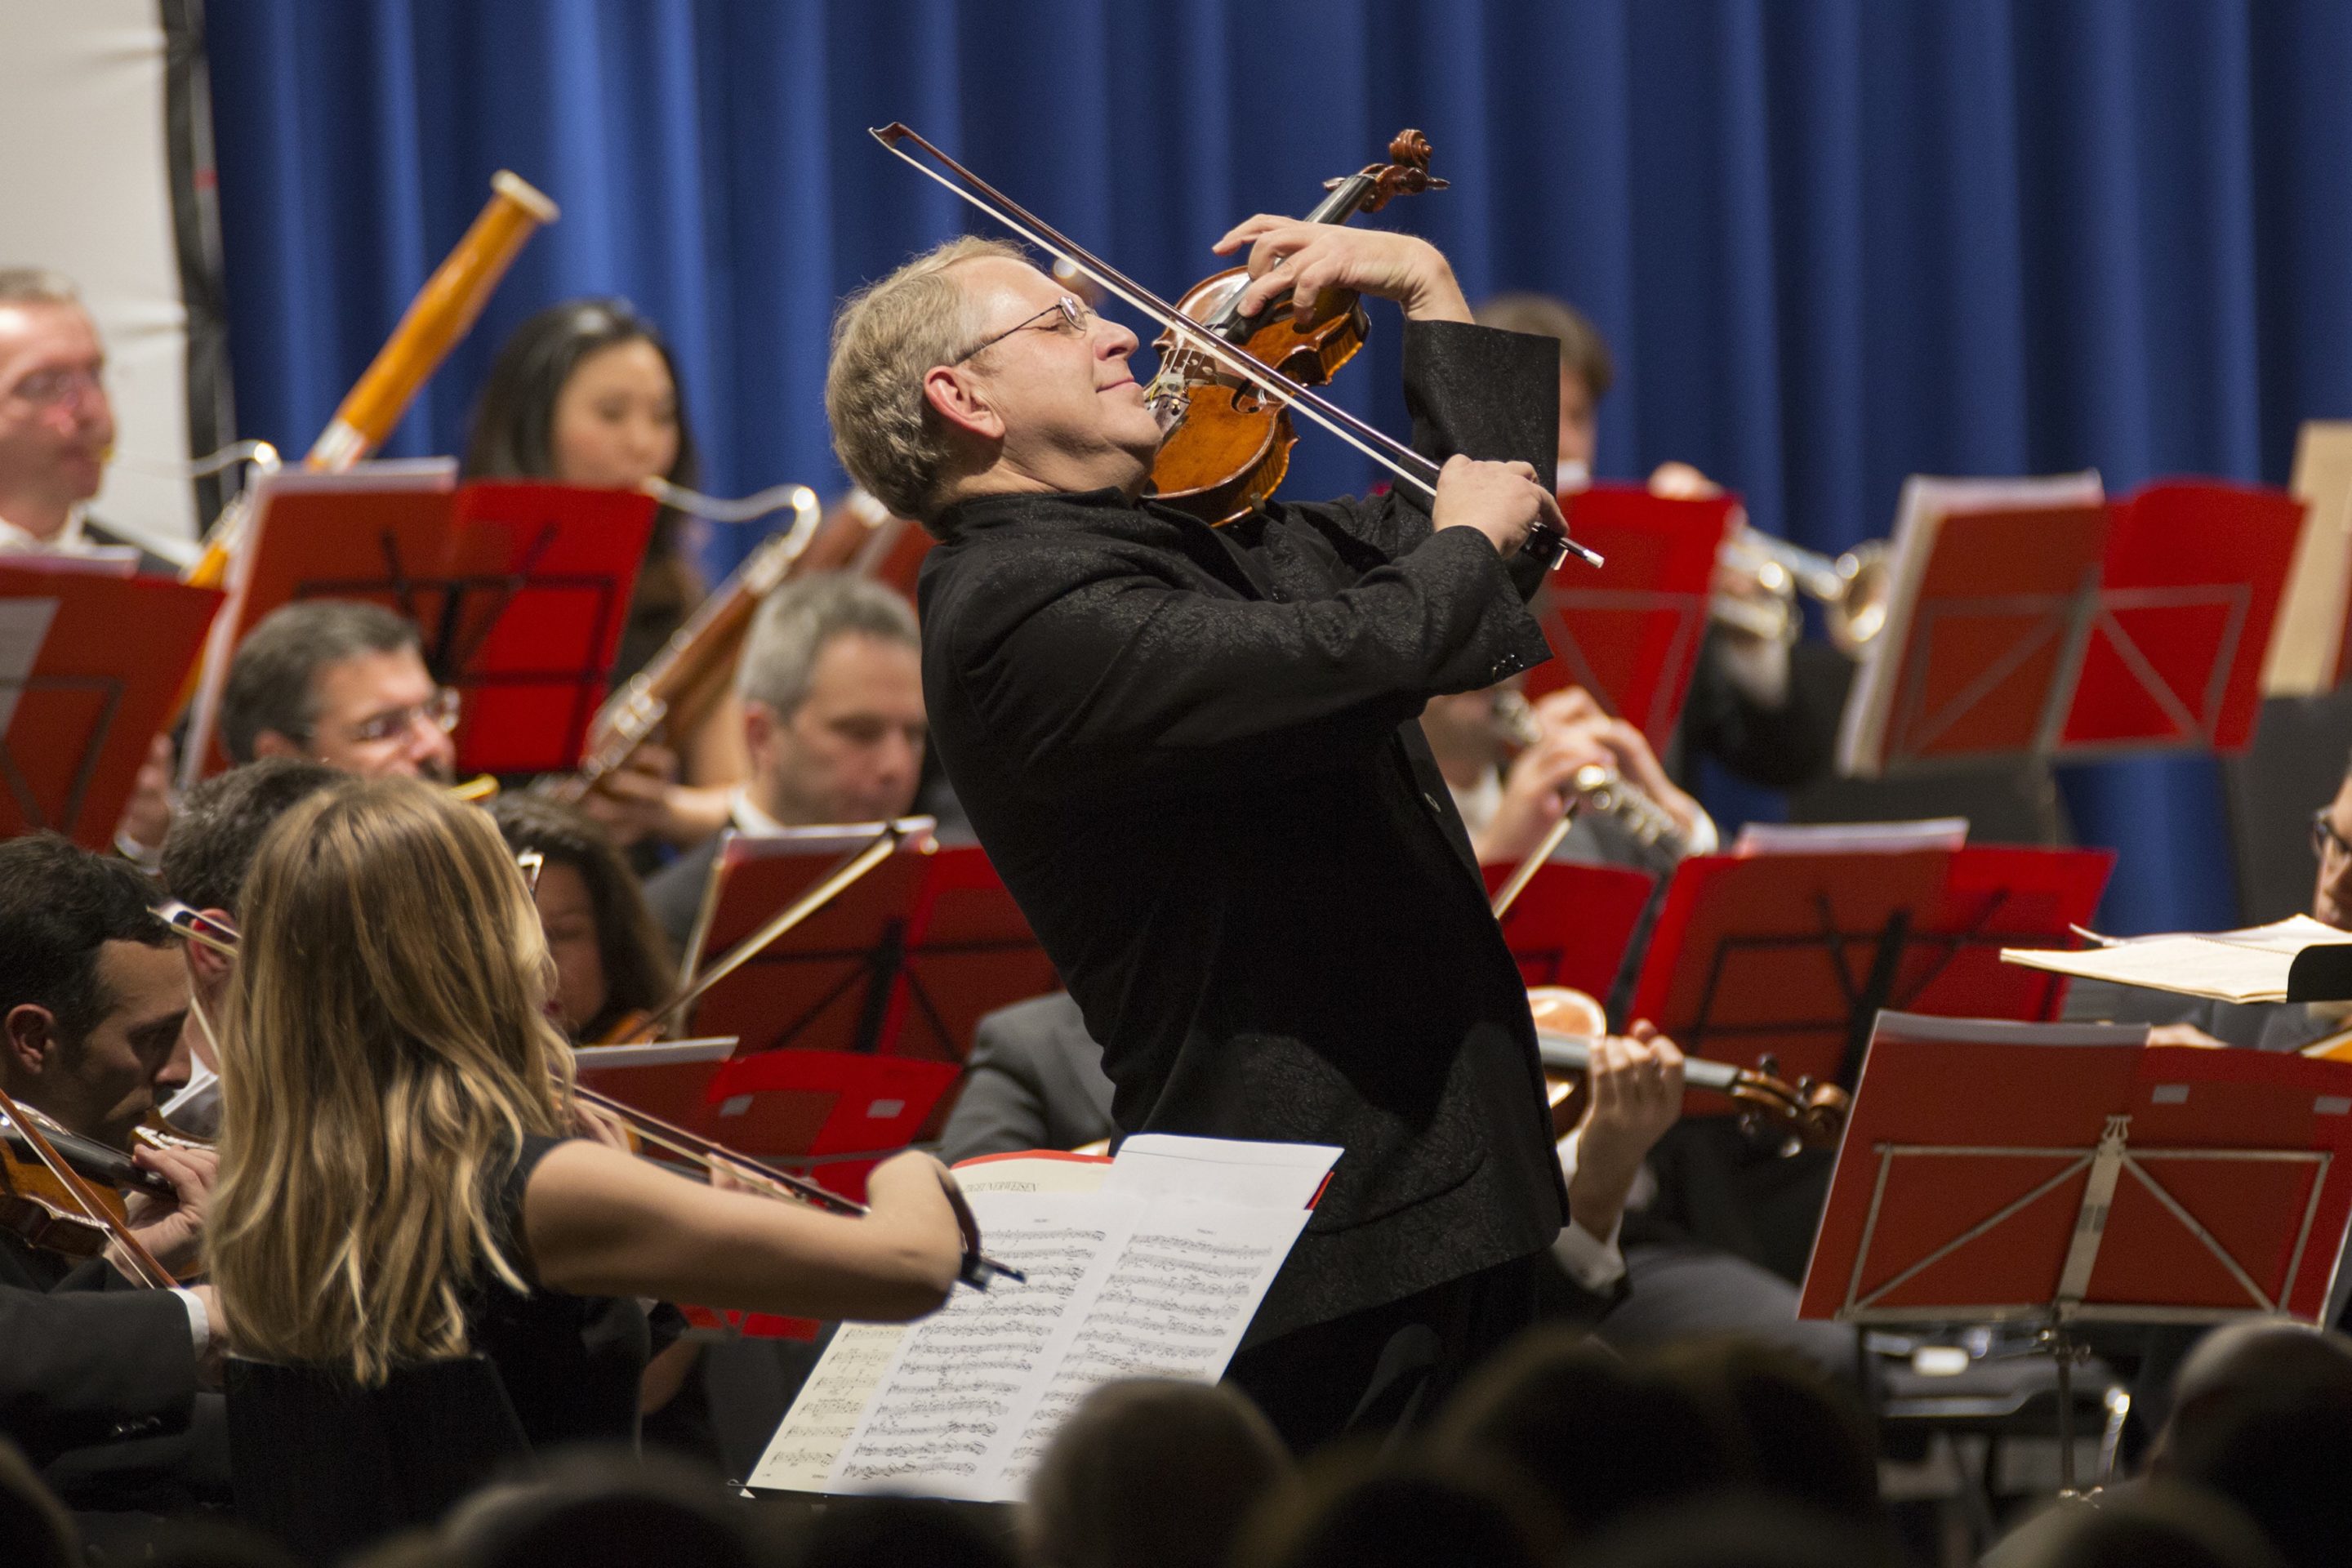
[{"x": 2067, "y": 1350}]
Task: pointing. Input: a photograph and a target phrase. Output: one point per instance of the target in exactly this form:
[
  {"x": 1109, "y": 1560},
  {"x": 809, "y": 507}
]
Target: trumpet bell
[{"x": 1858, "y": 615}]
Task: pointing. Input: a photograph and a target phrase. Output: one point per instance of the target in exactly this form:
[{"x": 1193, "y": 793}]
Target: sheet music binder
[
  {"x": 520, "y": 593},
  {"x": 1573, "y": 922},
  {"x": 1630, "y": 631},
  {"x": 113, "y": 660}
]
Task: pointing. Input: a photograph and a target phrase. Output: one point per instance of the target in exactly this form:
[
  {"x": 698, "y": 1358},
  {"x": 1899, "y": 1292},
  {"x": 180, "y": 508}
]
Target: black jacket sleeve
[{"x": 83, "y": 1366}]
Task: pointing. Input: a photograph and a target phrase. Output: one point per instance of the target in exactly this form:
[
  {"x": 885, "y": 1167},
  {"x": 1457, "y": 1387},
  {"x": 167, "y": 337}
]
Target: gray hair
[
  {"x": 886, "y": 337},
  {"x": 272, "y": 679},
  {"x": 36, "y": 285},
  {"x": 797, "y": 622}
]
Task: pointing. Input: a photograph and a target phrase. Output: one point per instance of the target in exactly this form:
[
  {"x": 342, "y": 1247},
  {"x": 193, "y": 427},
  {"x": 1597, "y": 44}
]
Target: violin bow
[
  {"x": 1409, "y": 466},
  {"x": 144, "y": 1264}
]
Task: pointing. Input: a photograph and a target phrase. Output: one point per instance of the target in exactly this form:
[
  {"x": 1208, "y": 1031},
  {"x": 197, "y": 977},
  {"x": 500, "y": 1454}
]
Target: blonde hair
[
  {"x": 887, "y": 335},
  {"x": 385, "y": 1050}
]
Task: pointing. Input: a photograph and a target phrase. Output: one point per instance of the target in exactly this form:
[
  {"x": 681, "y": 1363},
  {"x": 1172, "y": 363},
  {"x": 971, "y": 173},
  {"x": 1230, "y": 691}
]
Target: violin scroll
[{"x": 1406, "y": 173}]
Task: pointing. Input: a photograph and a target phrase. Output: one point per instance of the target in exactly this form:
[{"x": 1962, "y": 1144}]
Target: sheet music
[
  {"x": 2247, "y": 965},
  {"x": 24, "y": 627},
  {"x": 1919, "y": 517},
  {"x": 1852, "y": 837},
  {"x": 800, "y": 1457},
  {"x": 1137, "y": 1278},
  {"x": 1176, "y": 1302}
]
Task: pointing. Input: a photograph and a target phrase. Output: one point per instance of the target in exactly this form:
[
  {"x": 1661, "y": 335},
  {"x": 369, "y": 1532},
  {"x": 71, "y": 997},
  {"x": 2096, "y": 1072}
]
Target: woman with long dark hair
[{"x": 586, "y": 392}]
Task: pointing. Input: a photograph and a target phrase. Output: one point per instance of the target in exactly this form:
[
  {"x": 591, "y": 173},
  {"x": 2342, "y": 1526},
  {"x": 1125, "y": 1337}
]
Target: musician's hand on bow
[
  {"x": 599, "y": 1125},
  {"x": 173, "y": 1228},
  {"x": 1501, "y": 500},
  {"x": 1634, "y": 1093},
  {"x": 1309, "y": 258}
]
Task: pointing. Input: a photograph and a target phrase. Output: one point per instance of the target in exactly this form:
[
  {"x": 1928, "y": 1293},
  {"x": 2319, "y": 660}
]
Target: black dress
[{"x": 570, "y": 1364}]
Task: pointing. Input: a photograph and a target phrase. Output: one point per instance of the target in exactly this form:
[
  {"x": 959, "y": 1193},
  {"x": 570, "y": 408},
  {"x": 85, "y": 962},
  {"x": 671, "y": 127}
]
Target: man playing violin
[
  {"x": 99, "y": 1385},
  {"x": 1191, "y": 753}
]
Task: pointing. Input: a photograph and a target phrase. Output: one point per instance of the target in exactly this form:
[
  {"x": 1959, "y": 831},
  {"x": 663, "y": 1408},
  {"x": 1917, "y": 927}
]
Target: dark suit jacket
[
  {"x": 674, "y": 893},
  {"x": 1034, "y": 1080},
  {"x": 150, "y": 564},
  {"x": 1192, "y": 754}
]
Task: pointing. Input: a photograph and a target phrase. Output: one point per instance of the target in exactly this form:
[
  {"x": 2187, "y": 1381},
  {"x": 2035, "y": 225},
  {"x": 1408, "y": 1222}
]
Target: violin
[
  {"x": 1802, "y": 1115},
  {"x": 1228, "y": 439},
  {"x": 62, "y": 1193}
]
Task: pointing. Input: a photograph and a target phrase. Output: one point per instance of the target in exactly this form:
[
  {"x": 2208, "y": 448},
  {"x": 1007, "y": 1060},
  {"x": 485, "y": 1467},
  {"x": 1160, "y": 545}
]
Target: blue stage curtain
[{"x": 1833, "y": 242}]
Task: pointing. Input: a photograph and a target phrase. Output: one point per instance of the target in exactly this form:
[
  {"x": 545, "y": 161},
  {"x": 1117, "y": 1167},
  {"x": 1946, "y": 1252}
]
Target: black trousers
[{"x": 1387, "y": 1368}]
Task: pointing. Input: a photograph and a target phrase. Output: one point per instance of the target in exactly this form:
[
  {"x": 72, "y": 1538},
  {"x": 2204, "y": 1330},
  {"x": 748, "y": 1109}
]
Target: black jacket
[{"x": 1192, "y": 756}]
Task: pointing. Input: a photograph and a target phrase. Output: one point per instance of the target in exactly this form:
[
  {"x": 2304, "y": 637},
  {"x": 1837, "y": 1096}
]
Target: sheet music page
[
  {"x": 1136, "y": 1278},
  {"x": 965, "y": 1381},
  {"x": 1176, "y": 1304},
  {"x": 2247, "y": 965},
  {"x": 801, "y": 1455},
  {"x": 24, "y": 627},
  {"x": 1919, "y": 517}
]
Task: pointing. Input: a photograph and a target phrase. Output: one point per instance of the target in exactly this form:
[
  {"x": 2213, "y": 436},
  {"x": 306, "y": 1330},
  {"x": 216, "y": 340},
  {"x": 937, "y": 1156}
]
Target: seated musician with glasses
[
  {"x": 339, "y": 682},
  {"x": 1191, "y": 754},
  {"x": 2264, "y": 1026}
]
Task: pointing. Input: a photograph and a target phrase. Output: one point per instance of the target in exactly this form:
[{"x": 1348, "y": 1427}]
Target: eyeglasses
[
  {"x": 2325, "y": 842},
  {"x": 440, "y": 710},
  {"x": 55, "y": 388},
  {"x": 1073, "y": 314}
]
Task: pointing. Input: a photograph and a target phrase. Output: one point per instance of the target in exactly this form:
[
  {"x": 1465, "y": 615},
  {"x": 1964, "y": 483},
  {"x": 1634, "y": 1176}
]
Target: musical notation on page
[{"x": 1130, "y": 1275}]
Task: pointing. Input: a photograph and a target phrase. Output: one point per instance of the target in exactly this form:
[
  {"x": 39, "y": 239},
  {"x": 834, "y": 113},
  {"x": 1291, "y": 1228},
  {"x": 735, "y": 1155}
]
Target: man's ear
[
  {"x": 270, "y": 743},
  {"x": 27, "y": 1035},
  {"x": 210, "y": 968},
  {"x": 760, "y": 726},
  {"x": 955, "y": 398}
]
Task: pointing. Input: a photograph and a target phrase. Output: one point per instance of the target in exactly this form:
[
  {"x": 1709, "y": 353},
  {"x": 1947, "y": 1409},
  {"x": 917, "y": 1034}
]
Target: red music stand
[
  {"x": 1630, "y": 631},
  {"x": 1572, "y": 923},
  {"x": 2076, "y": 631},
  {"x": 91, "y": 668},
  {"x": 903, "y": 963},
  {"x": 666, "y": 1079},
  {"x": 520, "y": 591},
  {"x": 2071, "y": 1175},
  {"x": 1793, "y": 955},
  {"x": 2188, "y": 596},
  {"x": 842, "y": 1110}
]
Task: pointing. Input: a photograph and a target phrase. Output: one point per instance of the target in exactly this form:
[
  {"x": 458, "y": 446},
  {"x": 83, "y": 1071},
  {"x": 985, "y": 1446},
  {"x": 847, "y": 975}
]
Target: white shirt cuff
[
  {"x": 1593, "y": 1263},
  {"x": 200, "y": 1322}
]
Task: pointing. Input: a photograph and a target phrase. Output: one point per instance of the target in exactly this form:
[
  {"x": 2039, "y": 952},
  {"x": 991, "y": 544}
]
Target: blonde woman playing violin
[{"x": 400, "y": 1179}]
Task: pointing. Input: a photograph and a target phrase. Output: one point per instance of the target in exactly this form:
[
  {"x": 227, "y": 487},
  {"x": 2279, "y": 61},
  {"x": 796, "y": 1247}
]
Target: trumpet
[
  {"x": 1597, "y": 788},
  {"x": 1852, "y": 589}
]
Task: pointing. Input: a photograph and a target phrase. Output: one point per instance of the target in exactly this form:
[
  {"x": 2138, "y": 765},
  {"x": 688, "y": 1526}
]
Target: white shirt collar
[
  {"x": 747, "y": 816},
  {"x": 70, "y": 539}
]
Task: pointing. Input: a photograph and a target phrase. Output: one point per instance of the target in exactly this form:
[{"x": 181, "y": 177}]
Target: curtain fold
[{"x": 1832, "y": 242}]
